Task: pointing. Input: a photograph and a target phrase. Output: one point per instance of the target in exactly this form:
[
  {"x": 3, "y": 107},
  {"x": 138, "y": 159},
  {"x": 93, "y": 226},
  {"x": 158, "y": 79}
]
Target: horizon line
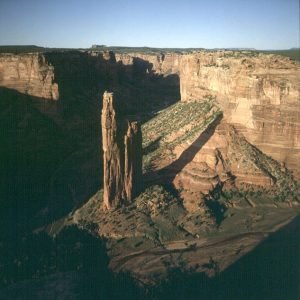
[{"x": 149, "y": 47}]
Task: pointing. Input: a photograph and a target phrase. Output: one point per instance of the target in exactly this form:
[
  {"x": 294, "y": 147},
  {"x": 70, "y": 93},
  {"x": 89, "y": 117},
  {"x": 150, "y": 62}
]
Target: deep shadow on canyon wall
[
  {"x": 51, "y": 151},
  {"x": 32, "y": 148}
]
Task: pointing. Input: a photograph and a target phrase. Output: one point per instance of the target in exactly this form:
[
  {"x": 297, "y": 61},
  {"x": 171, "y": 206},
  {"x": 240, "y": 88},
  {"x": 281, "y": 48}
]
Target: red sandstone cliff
[
  {"x": 29, "y": 74},
  {"x": 258, "y": 93}
]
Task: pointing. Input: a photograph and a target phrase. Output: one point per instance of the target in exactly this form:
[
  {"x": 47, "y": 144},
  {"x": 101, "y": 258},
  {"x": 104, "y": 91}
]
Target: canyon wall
[
  {"x": 160, "y": 64},
  {"x": 122, "y": 155},
  {"x": 259, "y": 94},
  {"x": 29, "y": 74}
]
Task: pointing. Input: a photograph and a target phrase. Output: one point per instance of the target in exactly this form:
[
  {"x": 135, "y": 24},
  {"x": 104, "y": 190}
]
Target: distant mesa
[{"x": 98, "y": 46}]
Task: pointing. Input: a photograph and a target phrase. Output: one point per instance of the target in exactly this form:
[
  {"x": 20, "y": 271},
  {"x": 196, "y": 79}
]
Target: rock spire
[{"x": 122, "y": 155}]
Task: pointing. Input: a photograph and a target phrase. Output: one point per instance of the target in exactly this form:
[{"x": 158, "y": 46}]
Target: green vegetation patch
[
  {"x": 185, "y": 120},
  {"x": 291, "y": 53}
]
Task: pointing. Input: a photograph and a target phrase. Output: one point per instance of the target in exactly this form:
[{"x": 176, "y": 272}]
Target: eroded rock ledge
[{"x": 122, "y": 155}]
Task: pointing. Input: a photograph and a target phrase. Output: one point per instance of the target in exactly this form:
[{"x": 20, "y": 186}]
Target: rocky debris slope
[
  {"x": 122, "y": 155},
  {"x": 200, "y": 152},
  {"x": 29, "y": 74}
]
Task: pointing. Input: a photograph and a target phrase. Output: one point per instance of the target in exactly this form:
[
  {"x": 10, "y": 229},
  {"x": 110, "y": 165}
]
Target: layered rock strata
[
  {"x": 122, "y": 155},
  {"x": 259, "y": 94},
  {"x": 29, "y": 74}
]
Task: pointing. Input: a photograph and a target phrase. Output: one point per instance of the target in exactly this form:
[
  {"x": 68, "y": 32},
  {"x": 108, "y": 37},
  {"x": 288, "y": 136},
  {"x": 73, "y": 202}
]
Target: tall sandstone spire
[
  {"x": 133, "y": 160},
  {"x": 122, "y": 155}
]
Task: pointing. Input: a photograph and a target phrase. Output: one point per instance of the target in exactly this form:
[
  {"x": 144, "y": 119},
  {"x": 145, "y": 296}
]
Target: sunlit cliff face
[
  {"x": 258, "y": 93},
  {"x": 29, "y": 74}
]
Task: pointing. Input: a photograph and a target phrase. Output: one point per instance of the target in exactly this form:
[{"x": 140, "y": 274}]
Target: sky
[{"x": 260, "y": 24}]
